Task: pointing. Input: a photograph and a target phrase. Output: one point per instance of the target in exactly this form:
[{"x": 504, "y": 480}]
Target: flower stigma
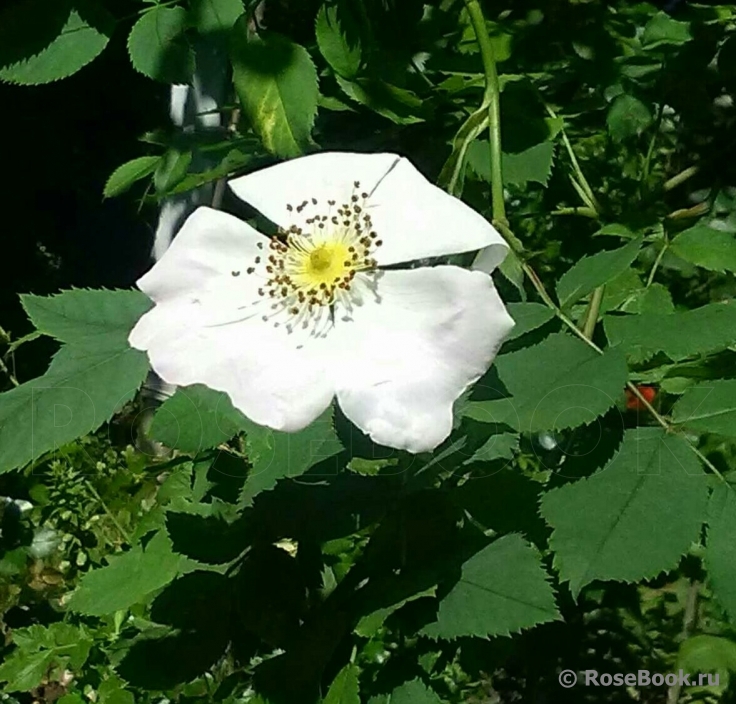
[{"x": 317, "y": 261}]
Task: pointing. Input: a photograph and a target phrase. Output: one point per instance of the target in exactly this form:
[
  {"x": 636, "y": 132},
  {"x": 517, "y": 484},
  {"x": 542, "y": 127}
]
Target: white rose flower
[{"x": 283, "y": 325}]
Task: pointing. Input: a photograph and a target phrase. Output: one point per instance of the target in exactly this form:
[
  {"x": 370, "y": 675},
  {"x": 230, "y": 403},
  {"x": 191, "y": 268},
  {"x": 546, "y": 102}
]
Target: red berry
[{"x": 633, "y": 403}]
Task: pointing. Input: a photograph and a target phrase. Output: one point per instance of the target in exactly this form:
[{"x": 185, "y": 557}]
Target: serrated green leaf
[
  {"x": 528, "y": 316},
  {"x": 703, "y": 246},
  {"x": 396, "y": 104},
  {"x": 654, "y": 299},
  {"x": 720, "y": 553},
  {"x": 560, "y": 383},
  {"x": 276, "y": 83},
  {"x": 127, "y": 174},
  {"x": 531, "y": 165},
  {"x": 634, "y": 518},
  {"x": 210, "y": 16},
  {"x": 275, "y": 455},
  {"x": 338, "y": 38},
  {"x": 414, "y": 692},
  {"x": 24, "y": 671},
  {"x": 84, "y": 33},
  {"x": 127, "y": 579},
  {"x": 627, "y": 117},
  {"x": 93, "y": 318},
  {"x": 663, "y": 29},
  {"x": 344, "y": 688},
  {"x": 40, "y": 648},
  {"x": 678, "y": 335},
  {"x": 594, "y": 271},
  {"x": 82, "y": 389},
  {"x": 708, "y": 408},
  {"x": 196, "y": 418},
  {"x": 158, "y": 48},
  {"x": 503, "y": 589}
]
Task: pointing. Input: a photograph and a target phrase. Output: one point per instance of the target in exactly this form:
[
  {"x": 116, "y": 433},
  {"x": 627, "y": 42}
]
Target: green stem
[
  {"x": 583, "y": 211},
  {"x": 680, "y": 178},
  {"x": 589, "y": 197},
  {"x": 594, "y": 309},
  {"x": 656, "y": 264},
  {"x": 491, "y": 99}
]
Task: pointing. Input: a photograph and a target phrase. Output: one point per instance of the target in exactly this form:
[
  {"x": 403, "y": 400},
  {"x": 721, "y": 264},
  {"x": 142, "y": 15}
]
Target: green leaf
[
  {"x": 414, "y": 692},
  {"x": 24, "y": 671},
  {"x": 533, "y": 164},
  {"x": 396, "y": 104},
  {"x": 679, "y": 335},
  {"x": 708, "y": 408},
  {"x": 632, "y": 519},
  {"x": 704, "y": 653},
  {"x": 86, "y": 383},
  {"x": 41, "y": 648},
  {"x": 703, "y": 246},
  {"x": 172, "y": 169},
  {"x": 338, "y": 38},
  {"x": 196, "y": 418},
  {"x": 344, "y": 688},
  {"x": 560, "y": 383},
  {"x": 94, "y": 318},
  {"x": 211, "y": 16},
  {"x": 503, "y": 589},
  {"x": 662, "y": 29},
  {"x": 158, "y": 48},
  {"x": 64, "y": 49},
  {"x": 127, "y": 579},
  {"x": 594, "y": 271},
  {"x": 276, "y": 455},
  {"x": 720, "y": 553},
  {"x": 627, "y": 117},
  {"x": 276, "y": 83},
  {"x": 127, "y": 174}
]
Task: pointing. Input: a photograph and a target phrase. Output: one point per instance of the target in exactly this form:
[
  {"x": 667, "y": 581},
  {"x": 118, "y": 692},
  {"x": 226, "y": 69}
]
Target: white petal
[
  {"x": 406, "y": 356},
  {"x": 415, "y": 219},
  {"x": 275, "y": 378},
  {"x": 210, "y": 246},
  {"x": 324, "y": 176}
]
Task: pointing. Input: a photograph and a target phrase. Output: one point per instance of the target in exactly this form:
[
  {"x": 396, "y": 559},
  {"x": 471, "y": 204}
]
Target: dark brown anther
[
  {"x": 354, "y": 199},
  {"x": 379, "y": 243},
  {"x": 290, "y": 207},
  {"x": 235, "y": 273},
  {"x": 347, "y": 263},
  {"x": 356, "y": 184},
  {"x": 330, "y": 202},
  {"x": 269, "y": 269},
  {"x": 259, "y": 245},
  {"x": 314, "y": 201},
  {"x": 258, "y": 260},
  {"x": 250, "y": 270}
]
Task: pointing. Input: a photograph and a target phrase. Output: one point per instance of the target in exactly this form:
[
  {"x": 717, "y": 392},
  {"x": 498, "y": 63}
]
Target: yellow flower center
[{"x": 313, "y": 264}]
